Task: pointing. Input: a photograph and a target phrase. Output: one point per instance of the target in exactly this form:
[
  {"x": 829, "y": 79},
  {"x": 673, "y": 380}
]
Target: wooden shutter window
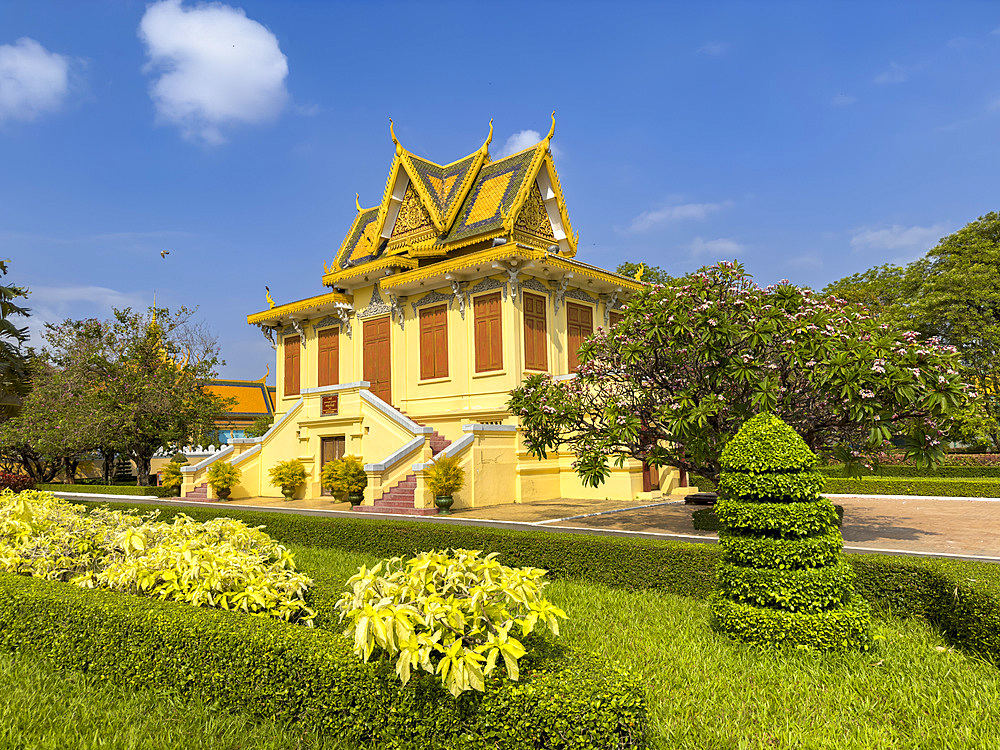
[
  {"x": 488, "y": 332},
  {"x": 376, "y": 358},
  {"x": 434, "y": 342},
  {"x": 292, "y": 366},
  {"x": 536, "y": 342},
  {"x": 329, "y": 356},
  {"x": 579, "y": 328}
]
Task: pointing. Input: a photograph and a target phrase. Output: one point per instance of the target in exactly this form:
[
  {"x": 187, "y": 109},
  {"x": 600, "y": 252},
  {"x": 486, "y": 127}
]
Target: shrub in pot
[
  {"x": 289, "y": 475},
  {"x": 223, "y": 477},
  {"x": 345, "y": 476},
  {"x": 171, "y": 477},
  {"x": 445, "y": 477}
]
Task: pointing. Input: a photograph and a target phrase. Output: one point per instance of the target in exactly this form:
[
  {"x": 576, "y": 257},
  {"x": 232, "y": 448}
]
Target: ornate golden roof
[{"x": 430, "y": 210}]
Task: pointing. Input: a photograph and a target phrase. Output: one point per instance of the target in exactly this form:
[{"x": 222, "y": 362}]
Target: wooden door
[
  {"x": 329, "y": 356},
  {"x": 579, "y": 328},
  {"x": 536, "y": 335},
  {"x": 488, "y": 332},
  {"x": 330, "y": 449},
  {"x": 292, "y": 357},
  {"x": 377, "y": 370}
]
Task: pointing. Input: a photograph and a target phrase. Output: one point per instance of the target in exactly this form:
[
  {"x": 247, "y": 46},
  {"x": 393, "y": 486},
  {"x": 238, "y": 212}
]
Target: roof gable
[{"x": 429, "y": 210}]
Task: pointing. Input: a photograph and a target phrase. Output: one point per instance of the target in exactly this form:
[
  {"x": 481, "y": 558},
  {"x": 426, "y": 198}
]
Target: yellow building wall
[{"x": 505, "y": 472}]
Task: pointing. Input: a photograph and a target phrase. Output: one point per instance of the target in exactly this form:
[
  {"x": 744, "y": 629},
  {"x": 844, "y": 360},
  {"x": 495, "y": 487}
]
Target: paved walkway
[{"x": 951, "y": 527}]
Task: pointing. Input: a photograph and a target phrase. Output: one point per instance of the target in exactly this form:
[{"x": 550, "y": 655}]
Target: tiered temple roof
[{"x": 430, "y": 211}]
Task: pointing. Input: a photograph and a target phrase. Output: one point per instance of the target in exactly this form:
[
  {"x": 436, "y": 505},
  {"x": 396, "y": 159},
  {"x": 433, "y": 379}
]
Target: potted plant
[
  {"x": 170, "y": 476},
  {"x": 223, "y": 477},
  {"x": 289, "y": 475},
  {"x": 346, "y": 476},
  {"x": 444, "y": 478}
]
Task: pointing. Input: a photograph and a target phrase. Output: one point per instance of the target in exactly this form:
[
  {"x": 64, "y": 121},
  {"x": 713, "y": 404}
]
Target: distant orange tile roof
[{"x": 253, "y": 398}]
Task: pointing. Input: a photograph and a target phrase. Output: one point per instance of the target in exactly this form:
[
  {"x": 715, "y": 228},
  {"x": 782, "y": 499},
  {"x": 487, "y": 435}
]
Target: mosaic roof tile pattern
[
  {"x": 361, "y": 243},
  {"x": 490, "y": 197},
  {"x": 442, "y": 183},
  {"x": 252, "y": 398}
]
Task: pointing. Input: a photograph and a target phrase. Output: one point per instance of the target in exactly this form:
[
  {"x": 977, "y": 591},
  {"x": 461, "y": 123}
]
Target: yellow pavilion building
[{"x": 460, "y": 282}]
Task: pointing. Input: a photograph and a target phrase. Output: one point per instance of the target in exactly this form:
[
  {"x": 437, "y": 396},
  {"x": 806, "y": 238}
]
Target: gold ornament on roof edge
[{"x": 640, "y": 272}]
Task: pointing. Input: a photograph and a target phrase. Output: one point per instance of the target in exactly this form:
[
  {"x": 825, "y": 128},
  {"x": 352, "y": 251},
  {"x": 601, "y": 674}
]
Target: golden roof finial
[
  {"x": 153, "y": 321},
  {"x": 357, "y": 201},
  {"x": 640, "y": 272},
  {"x": 326, "y": 268},
  {"x": 392, "y": 132},
  {"x": 552, "y": 130},
  {"x": 264, "y": 379},
  {"x": 489, "y": 138},
  {"x": 270, "y": 300}
]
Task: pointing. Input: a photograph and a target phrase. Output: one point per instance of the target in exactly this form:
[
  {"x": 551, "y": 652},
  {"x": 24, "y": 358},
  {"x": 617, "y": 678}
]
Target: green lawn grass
[
  {"x": 704, "y": 691},
  {"x": 45, "y": 708}
]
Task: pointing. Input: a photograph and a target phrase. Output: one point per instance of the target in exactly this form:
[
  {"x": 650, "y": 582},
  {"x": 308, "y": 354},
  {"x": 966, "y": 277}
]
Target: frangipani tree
[{"x": 691, "y": 361}]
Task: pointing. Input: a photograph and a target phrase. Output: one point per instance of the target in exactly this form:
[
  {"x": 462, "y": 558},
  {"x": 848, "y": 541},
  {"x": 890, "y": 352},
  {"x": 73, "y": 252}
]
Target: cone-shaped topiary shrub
[{"x": 781, "y": 578}]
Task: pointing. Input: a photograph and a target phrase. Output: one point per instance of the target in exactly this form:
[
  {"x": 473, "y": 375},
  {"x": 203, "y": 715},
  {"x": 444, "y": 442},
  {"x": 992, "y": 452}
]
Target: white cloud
[
  {"x": 519, "y": 142},
  {"x": 843, "y": 100},
  {"x": 713, "y": 49},
  {"x": 898, "y": 237},
  {"x": 896, "y": 73},
  {"x": 215, "y": 67},
  {"x": 32, "y": 80},
  {"x": 720, "y": 248},
  {"x": 668, "y": 214},
  {"x": 53, "y": 304}
]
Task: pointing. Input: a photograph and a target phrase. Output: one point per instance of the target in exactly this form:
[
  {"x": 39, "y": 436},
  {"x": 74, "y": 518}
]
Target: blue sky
[{"x": 808, "y": 140}]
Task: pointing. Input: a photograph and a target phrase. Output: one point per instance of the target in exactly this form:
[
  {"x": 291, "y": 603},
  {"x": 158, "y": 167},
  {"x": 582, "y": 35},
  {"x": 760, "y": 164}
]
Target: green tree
[
  {"x": 260, "y": 426},
  {"x": 14, "y": 375},
  {"x": 60, "y": 420},
  {"x": 957, "y": 299},
  {"x": 692, "y": 361},
  {"x": 650, "y": 274},
  {"x": 147, "y": 378},
  {"x": 883, "y": 290}
]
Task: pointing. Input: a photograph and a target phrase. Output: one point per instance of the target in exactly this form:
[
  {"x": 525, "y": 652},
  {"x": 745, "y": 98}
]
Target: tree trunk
[
  {"x": 108, "y": 470},
  {"x": 69, "y": 470},
  {"x": 142, "y": 468}
]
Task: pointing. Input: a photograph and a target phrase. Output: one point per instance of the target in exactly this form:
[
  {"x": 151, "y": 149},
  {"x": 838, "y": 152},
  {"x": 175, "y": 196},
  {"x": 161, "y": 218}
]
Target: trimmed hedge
[
  {"x": 800, "y": 485},
  {"x": 833, "y": 630},
  {"x": 787, "y": 519},
  {"x": 961, "y": 597},
  {"x": 914, "y": 486},
  {"x": 939, "y": 472},
  {"x": 565, "y": 699},
  {"x": 806, "y": 590},
  {"x": 106, "y": 489},
  {"x": 771, "y": 552}
]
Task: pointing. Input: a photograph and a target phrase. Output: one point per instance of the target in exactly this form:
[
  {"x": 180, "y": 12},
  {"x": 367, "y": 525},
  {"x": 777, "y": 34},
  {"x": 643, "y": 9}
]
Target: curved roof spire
[
  {"x": 552, "y": 130},
  {"x": 357, "y": 201},
  {"x": 395, "y": 140},
  {"x": 489, "y": 138}
]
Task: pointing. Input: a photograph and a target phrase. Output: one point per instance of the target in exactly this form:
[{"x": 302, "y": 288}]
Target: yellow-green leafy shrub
[
  {"x": 448, "y": 612},
  {"x": 216, "y": 563}
]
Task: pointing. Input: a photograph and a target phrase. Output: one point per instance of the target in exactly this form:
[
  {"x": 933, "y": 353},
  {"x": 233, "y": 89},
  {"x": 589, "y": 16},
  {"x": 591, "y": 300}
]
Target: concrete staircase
[
  {"x": 398, "y": 500},
  {"x": 199, "y": 494}
]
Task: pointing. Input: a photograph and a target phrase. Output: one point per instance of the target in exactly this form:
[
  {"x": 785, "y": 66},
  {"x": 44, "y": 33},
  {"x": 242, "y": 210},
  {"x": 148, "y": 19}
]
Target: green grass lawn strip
[
  {"x": 705, "y": 691},
  {"x": 45, "y": 708}
]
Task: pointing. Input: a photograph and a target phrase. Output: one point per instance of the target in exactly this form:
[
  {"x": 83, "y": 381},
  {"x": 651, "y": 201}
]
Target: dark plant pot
[
  {"x": 443, "y": 503},
  {"x": 288, "y": 493},
  {"x": 355, "y": 498},
  {"x": 701, "y": 498},
  {"x": 224, "y": 492}
]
